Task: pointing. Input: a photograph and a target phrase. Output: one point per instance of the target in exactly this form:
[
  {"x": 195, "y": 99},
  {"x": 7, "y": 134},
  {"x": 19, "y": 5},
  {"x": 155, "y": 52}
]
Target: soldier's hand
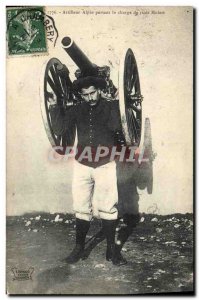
[
  {"x": 106, "y": 96},
  {"x": 109, "y": 97}
]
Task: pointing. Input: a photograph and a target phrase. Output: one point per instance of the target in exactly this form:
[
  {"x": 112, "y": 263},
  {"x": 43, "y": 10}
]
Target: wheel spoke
[
  {"x": 62, "y": 88},
  {"x": 131, "y": 74},
  {"x": 128, "y": 81},
  {"x": 59, "y": 137},
  {"x": 53, "y": 86},
  {"x": 64, "y": 140},
  {"x": 55, "y": 77},
  {"x": 133, "y": 80},
  {"x": 136, "y": 109},
  {"x": 132, "y": 119},
  {"x": 63, "y": 84},
  {"x": 129, "y": 122},
  {"x": 136, "y": 122}
]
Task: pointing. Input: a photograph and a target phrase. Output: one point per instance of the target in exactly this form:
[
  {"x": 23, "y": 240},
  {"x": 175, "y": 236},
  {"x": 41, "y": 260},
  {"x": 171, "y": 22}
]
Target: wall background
[{"x": 163, "y": 47}]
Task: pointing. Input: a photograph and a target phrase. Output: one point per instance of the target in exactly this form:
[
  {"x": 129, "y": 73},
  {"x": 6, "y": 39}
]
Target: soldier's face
[{"x": 91, "y": 95}]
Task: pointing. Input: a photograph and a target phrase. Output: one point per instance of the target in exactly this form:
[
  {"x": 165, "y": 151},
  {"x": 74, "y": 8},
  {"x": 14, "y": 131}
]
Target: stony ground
[{"x": 159, "y": 254}]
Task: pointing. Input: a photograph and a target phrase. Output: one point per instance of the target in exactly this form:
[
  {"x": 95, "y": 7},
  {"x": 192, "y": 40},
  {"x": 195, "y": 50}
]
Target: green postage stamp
[{"x": 26, "y": 30}]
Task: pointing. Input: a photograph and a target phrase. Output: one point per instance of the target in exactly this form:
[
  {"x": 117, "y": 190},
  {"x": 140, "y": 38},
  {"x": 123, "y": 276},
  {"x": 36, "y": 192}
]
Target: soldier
[{"x": 94, "y": 186}]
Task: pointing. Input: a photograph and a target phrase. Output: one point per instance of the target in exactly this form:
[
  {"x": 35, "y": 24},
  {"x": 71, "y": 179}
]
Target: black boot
[
  {"x": 82, "y": 228},
  {"x": 112, "y": 253},
  {"x": 109, "y": 227},
  {"x": 131, "y": 221},
  {"x": 118, "y": 259}
]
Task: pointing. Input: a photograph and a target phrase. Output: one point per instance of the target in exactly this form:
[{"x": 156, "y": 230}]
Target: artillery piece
[{"x": 56, "y": 81}]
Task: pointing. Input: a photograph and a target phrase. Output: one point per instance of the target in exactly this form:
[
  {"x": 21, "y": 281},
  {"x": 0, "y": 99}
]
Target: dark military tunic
[{"x": 96, "y": 126}]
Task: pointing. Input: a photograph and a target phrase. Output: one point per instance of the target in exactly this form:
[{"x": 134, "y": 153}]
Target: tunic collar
[{"x": 96, "y": 109}]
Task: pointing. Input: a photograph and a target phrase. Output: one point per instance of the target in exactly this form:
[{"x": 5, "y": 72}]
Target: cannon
[
  {"x": 56, "y": 81},
  {"x": 86, "y": 67}
]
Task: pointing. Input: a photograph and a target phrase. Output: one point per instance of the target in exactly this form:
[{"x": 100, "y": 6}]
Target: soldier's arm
[
  {"x": 60, "y": 121},
  {"x": 114, "y": 122}
]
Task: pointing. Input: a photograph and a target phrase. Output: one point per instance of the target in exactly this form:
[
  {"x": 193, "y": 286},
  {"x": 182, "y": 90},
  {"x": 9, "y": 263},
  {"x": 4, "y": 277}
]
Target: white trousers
[{"x": 95, "y": 191}]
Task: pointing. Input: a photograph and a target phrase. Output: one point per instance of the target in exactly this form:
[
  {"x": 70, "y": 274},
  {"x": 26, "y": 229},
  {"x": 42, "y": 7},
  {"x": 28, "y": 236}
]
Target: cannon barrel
[{"x": 81, "y": 60}]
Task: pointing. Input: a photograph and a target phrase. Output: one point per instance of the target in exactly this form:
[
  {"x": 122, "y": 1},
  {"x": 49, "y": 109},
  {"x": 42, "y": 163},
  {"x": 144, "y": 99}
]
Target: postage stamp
[{"x": 26, "y": 32}]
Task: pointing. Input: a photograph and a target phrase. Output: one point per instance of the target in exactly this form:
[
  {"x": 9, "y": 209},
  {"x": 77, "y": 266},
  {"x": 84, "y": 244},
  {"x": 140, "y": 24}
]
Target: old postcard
[{"x": 99, "y": 150}]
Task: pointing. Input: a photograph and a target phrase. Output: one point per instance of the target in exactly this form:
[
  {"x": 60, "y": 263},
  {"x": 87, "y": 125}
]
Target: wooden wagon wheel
[
  {"x": 56, "y": 83},
  {"x": 130, "y": 99}
]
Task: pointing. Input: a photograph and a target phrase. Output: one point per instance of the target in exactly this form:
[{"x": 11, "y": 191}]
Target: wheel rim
[
  {"x": 130, "y": 99},
  {"x": 56, "y": 81}
]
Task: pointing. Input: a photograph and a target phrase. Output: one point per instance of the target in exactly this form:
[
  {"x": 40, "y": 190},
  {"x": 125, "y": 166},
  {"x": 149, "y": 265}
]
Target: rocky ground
[{"x": 159, "y": 254}]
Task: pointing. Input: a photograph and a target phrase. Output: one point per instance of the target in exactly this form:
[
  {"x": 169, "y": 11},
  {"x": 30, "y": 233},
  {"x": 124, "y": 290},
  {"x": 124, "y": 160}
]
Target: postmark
[{"x": 29, "y": 30}]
